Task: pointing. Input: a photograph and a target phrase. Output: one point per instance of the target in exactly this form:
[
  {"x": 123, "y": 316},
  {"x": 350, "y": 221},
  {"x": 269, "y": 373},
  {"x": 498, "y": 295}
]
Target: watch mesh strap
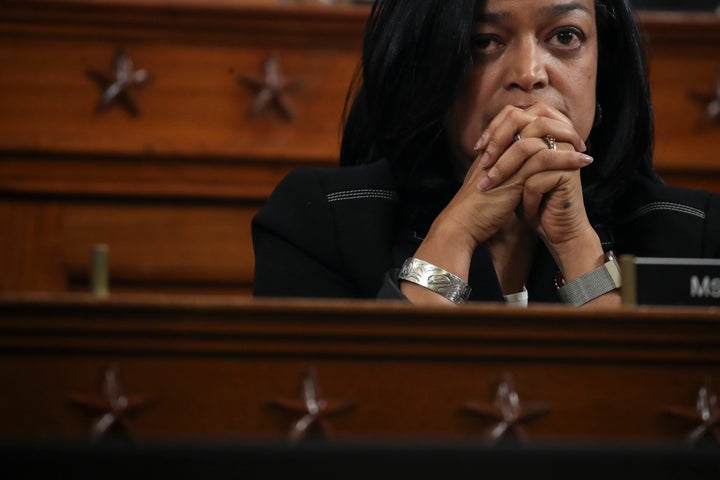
[
  {"x": 587, "y": 287},
  {"x": 436, "y": 279}
]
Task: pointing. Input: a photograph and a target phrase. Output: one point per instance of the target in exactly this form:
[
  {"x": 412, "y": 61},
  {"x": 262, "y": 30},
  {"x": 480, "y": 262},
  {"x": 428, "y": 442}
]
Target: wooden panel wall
[
  {"x": 684, "y": 63},
  {"x": 172, "y": 190}
]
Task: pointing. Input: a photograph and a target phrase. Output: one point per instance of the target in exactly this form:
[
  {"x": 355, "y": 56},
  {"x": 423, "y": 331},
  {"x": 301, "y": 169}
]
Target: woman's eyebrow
[
  {"x": 561, "y": 9},
  {"x": 557, "y": 10}
]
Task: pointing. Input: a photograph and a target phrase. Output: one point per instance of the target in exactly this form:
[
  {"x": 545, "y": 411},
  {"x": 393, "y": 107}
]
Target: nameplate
[{"x": 670, "y": 281}]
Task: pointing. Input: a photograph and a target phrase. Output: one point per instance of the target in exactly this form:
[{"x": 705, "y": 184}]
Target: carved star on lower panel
[
  {"x": 508, "y": 413},
  {"x": 705, "y": 415},
  {"x": 116, "y": 86},
  {"x": 314, "y": 410},
  {"x": 111, "y": 407},
  {"x": 271, "y": 89}
]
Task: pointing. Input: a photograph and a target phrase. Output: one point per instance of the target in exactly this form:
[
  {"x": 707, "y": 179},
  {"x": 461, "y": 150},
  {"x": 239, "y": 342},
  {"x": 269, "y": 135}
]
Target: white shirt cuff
[{"x": 519, "y": 299}]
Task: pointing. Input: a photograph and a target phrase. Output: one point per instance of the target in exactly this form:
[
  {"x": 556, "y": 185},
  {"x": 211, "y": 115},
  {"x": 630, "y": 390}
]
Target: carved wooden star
[
  {"x": 706, "y": 415},
  {"x": 116, "y": 86},
  {"x": 508, "y": 412},
  {"x": 314, "y": 410},
  {"x": 271, "y": 88},
  {"x": 111, "y": 407},
  {"x": 711, "y": 101}
]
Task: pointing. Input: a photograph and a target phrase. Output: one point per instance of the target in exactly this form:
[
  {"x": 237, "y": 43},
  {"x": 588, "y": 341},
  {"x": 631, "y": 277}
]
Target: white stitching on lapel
[
  {"x": 667, "y": 206},
  {"x": 362, "y": 194}
]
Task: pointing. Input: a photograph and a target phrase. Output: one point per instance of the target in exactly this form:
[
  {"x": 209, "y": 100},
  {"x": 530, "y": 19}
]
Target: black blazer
[{"x": 337, "y": 232}]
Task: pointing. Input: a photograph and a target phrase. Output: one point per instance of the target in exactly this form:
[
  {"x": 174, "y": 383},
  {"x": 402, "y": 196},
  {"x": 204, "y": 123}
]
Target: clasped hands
[
  {"x": 517, "y": 171},
  {"x": 517, "y": 190}
]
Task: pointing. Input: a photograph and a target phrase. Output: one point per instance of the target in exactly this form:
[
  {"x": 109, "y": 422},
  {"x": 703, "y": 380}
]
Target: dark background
[
  {"x": 688, "y": 5},
  {"x": 694, "y": 5}
]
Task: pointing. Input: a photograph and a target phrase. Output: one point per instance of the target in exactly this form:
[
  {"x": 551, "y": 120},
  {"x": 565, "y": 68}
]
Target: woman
[{"x": 494, "y": 149}]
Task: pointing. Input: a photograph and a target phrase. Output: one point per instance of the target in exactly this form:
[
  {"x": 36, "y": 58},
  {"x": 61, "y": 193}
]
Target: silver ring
[
  {"x": 516, "y": 137},
  {"x": 550, "y": 140}
]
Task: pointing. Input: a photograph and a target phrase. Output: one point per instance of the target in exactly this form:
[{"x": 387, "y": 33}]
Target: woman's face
[{"x": 527, "y": 51}]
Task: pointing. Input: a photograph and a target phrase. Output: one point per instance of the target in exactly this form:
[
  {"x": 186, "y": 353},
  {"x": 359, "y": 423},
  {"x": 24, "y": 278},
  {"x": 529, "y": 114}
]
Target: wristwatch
[{"x": 591, "y": 285}]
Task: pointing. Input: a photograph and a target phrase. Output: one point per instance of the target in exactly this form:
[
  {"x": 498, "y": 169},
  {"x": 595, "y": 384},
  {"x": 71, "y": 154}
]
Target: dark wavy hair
[{"x": 416, "y": 54}]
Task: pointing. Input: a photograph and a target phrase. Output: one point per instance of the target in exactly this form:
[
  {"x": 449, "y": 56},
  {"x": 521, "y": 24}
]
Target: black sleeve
[
  {"x": 711, "y": 234},
  {"x": 390, "y": 289},
  {"x": 296, "y": 251}
]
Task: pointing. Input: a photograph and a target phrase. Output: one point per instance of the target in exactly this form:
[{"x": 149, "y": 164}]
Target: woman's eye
[
  {"x": 485, "y": 43},
  {"x": 567, "y": 38}
]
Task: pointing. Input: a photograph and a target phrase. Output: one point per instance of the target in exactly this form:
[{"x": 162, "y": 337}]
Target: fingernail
[
  {"x": 484, "y": 184},
  {"x": 586, "y": 159},
  {"x": 485, "y": 160},
  {"x": 480, "y": 143},
  {"x": 583, "y": 146}
]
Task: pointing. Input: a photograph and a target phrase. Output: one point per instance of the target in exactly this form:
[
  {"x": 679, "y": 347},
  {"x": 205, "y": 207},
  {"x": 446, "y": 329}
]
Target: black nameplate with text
[{"x": 670, "y": 281}]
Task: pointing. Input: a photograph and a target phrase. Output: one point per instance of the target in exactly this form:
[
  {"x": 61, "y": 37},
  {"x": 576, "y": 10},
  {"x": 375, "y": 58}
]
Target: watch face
[
  {"x": 614, "y": 268},
  {"x": 610, "y": 257}
]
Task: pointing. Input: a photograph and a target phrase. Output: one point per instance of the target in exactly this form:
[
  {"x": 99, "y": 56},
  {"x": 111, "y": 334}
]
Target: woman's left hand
[
  {"x": 552, "y": 199},
  {"x": 553, "y": 205}
]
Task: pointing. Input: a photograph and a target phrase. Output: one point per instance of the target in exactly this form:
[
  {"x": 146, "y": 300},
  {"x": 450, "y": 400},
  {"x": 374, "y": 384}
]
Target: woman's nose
[{"x": 526, "y": 68}]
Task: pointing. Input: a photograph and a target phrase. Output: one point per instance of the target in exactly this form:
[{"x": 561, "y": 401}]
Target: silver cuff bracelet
[{"x": 436, "y": 279}]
